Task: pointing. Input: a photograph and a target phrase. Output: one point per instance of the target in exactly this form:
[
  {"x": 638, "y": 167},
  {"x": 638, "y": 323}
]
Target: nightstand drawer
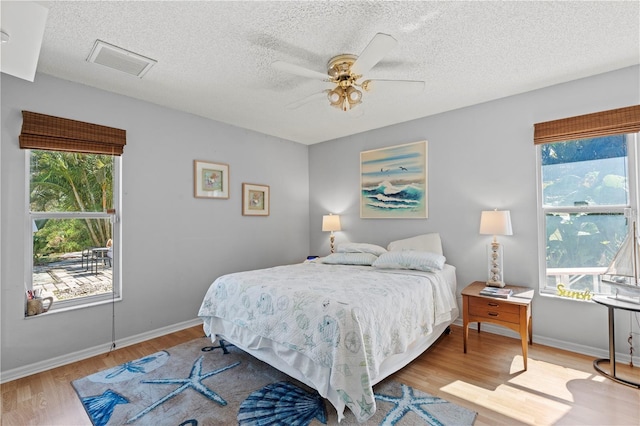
[
  {"x": 492, "y": 304},
  {"x": 495, "y": 314},
  {"x": 494, "y": 309}
]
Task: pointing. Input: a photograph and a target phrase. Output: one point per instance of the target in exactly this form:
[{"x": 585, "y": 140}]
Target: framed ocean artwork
[{"x": 393, "y": 182}]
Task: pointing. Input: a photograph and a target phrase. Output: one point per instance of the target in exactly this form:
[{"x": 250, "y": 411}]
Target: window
[
  {"x": 73, "y": 181},
  {"x": 74, "y": 234},
  {"x": 586, "y": 200},
  {"x": 587, "y": 196}
]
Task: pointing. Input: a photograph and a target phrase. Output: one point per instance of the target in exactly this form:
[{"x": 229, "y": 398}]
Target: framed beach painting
[
  {"x": 211, "y": 180},
  {"x": 393, "y": 182},
  {"x": 255, "y": 200}
]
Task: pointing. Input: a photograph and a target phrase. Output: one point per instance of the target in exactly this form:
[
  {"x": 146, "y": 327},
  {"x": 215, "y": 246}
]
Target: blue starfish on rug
[
  {"x": 408, "y": 402},
  {"x": 194, "y": 381}
]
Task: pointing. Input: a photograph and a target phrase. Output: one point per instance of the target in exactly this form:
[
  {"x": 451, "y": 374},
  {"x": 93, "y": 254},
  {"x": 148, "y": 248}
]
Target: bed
[{"x": 342, "y": 323}]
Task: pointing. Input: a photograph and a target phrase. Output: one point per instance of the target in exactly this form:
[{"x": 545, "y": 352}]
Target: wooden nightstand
[{"x": 513, "y": 313}]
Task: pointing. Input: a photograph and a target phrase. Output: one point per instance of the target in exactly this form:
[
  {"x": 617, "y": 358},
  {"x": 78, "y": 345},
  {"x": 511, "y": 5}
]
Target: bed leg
[{"x": 447, "y": 331}]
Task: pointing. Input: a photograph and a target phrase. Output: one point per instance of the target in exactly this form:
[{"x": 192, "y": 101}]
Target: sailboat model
[{"x": 623, "y": 274}]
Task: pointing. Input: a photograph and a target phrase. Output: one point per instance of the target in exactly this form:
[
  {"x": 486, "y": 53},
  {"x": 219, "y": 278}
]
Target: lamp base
[
  {"x": 495, "y": 283},
  {"x": 494, "y": 265}
]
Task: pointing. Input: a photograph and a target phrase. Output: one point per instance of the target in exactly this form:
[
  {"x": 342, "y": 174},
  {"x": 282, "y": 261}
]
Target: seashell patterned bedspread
[{"x": 348, "y": 318}]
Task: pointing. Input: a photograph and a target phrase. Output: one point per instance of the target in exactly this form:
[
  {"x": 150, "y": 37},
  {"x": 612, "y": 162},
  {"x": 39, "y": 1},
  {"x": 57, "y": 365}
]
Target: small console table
[{"x": 613, "y": 304}]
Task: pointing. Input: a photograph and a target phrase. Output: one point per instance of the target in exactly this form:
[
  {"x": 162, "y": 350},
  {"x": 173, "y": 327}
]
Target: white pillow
[
  {"x": 426, "y": 242},
  {"x": 360, "y": 248},
  {"x": 410, "y": 259},
  {"x": 350, "y": 259}
]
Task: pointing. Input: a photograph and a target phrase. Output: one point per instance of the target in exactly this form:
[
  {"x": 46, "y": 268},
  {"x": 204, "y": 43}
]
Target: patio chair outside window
[
  {"x": 86, "y": 254},
  {"x": 100, "y": 255}
]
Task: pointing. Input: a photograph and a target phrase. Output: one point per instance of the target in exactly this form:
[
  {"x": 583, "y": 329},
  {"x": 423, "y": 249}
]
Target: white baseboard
[
  {"x": 38, "y": 367},
  {"x": 554, "y": 343}
]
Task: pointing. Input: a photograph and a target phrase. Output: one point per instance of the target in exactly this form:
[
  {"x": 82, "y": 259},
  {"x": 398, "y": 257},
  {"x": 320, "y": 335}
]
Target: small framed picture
[
  {"x": 255, "y": 200},
  {"x": 211, "y": 180}
]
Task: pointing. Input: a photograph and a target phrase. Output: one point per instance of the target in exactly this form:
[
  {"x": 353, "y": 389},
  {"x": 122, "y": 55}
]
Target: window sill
[{"x": 69, "y": 308}]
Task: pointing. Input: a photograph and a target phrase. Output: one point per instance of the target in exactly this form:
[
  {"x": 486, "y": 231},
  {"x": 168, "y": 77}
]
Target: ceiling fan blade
[
  {"x": 371, "y": 55},
  {"x": 303, "y": 101},
  {"x": 397, "y": 86},
  {"x": 298, "y": 70}
]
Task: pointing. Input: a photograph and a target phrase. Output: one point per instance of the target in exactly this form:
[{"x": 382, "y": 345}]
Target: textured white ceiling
[{"x": 214, "y": 58}]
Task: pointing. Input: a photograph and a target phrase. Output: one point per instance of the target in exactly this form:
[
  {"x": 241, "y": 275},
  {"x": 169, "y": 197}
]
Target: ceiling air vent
[{"x": 120, "y": 59}]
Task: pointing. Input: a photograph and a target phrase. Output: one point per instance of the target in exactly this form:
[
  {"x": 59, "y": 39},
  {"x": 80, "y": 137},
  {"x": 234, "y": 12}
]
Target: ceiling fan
[{"x": 346, "y": 72}]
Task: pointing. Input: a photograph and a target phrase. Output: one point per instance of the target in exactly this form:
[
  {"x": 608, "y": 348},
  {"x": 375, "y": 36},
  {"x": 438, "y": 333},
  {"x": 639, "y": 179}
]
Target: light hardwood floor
[{"x": 559, "y": 387}]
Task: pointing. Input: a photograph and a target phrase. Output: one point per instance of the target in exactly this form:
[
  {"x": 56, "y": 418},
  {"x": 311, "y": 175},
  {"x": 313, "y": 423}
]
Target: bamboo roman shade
[
  {"x": 40, "y": 131},
  {"x": 605, "y": 123}
]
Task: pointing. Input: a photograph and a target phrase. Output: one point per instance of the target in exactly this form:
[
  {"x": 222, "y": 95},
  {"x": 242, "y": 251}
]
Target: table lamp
[
  {"x": 495, "y": 222},
  {"x": 331, "y": 222}
]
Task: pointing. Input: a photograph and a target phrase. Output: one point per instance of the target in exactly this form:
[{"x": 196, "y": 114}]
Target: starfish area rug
[{"x": 200, "y": 383}]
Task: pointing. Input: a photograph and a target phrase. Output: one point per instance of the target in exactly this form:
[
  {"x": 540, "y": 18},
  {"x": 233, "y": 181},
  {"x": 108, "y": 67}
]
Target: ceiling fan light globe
[
  {"x": 354, "y": 95},
  {"x": 334, "y": 97}
]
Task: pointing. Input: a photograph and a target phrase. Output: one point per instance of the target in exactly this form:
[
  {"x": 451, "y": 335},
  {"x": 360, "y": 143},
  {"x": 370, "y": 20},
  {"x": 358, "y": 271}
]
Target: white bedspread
[{"x": 347, "y": 318}]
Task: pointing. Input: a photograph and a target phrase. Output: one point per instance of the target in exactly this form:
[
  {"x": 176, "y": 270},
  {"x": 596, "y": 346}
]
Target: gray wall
[
  {"x": 173, "y": 245},
  {"x": 480, "y": 158}
]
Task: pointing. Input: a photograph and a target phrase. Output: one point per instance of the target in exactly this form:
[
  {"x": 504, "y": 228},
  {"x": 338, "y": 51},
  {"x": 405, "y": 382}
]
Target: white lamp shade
[
  {"x": 331, "y": 222},
  {"x": 496, "y": 222}
]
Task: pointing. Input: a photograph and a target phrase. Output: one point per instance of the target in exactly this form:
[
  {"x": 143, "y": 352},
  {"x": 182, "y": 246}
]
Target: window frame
[
  {"x": 631, "y": 208},
  {"x": 116, "y": 287}
]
